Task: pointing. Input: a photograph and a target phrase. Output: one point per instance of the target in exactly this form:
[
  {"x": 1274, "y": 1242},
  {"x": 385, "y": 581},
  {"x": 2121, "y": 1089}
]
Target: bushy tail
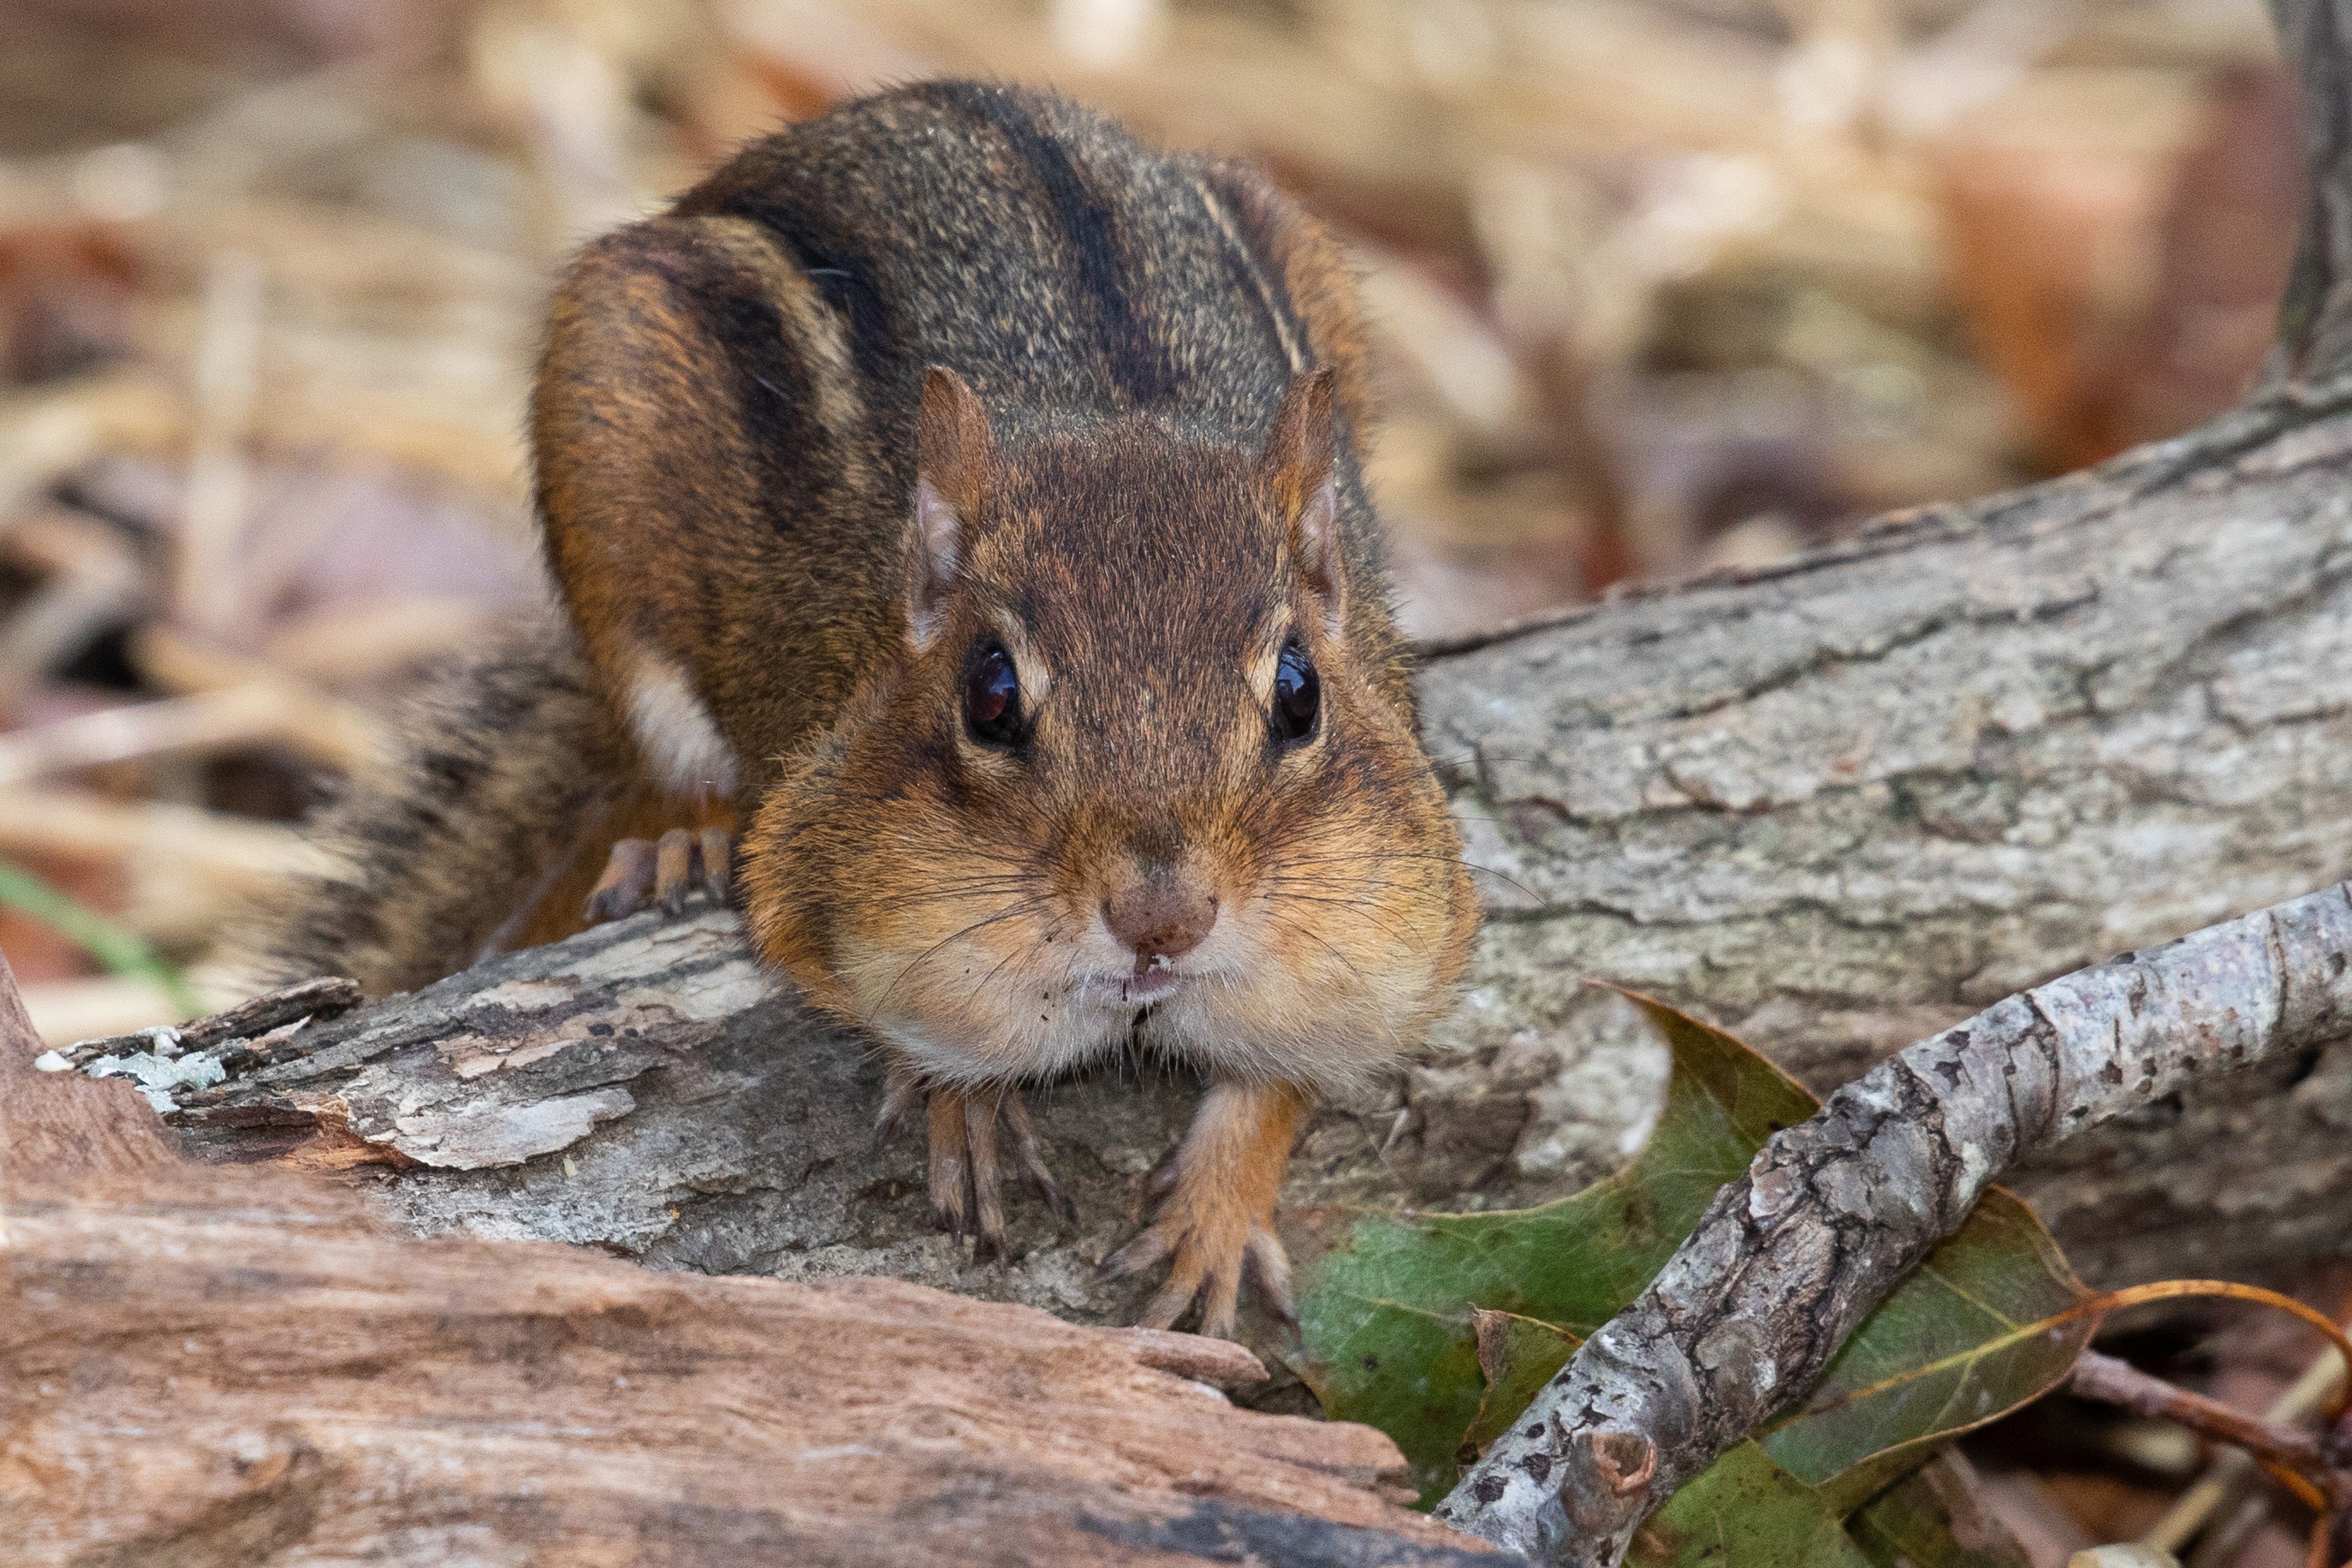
[{"x": 507, "y": 765}]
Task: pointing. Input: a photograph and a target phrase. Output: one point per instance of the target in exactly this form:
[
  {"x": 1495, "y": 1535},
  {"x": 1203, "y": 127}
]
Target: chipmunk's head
[{"x": 1145, "y": 762}]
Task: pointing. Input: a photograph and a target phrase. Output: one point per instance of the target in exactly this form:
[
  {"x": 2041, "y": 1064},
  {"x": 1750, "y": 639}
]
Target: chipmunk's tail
[{"x": 459, "y": 844}]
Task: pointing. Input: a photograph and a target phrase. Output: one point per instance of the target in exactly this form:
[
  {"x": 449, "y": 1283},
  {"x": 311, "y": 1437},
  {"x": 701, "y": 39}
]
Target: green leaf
[
  {"x": 1993, "y": 1320},
  {"x": 1385, "y": 1317},
  {"x": 1745, "y": 1511},
  {"x": 1933, "y": 1519}
]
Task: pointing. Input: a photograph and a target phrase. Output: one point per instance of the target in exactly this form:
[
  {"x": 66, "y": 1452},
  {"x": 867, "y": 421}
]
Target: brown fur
[{"x": 1135, "y": 387}]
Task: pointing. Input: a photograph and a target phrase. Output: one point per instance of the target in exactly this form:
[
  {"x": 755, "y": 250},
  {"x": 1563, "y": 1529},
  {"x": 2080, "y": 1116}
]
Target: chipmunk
[{"x": 958, "y": 504}]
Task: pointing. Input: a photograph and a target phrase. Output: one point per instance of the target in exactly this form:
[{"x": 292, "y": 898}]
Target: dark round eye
[
  {"x": 1297, "y": 695},
  {"x": 991, "y": 699}
]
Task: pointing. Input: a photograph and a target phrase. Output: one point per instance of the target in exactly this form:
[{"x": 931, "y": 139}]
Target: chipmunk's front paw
[
  {"x": 666, "y": 869},
  {"x": 1218, "y": 1222},
  {"x": 1211, "y": 1243},
  {"x": 967, "y": 1180}
]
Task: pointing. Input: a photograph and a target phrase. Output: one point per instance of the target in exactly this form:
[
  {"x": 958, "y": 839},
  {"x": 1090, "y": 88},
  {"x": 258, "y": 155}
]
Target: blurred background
[{"x": 1660, "y": 287}]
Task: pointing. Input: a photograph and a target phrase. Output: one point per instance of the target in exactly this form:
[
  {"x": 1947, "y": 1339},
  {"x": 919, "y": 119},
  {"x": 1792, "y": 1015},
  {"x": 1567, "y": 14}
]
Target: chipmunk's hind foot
[{"x": 667, "y": 870}]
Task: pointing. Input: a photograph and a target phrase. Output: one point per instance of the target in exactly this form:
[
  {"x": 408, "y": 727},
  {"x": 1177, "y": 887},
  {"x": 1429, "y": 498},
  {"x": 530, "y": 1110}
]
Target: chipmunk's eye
[
  {"x": 991, "y": 699},
  {"x": 1297, "y": 695}
]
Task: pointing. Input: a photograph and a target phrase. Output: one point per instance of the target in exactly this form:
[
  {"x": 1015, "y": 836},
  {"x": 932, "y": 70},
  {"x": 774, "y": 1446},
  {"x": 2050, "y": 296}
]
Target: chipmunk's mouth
[{"x": 1154, "y": 978}]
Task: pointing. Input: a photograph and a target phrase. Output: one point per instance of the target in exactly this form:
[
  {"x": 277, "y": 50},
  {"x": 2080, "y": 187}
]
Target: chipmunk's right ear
[{"x": 953, "y": 449}]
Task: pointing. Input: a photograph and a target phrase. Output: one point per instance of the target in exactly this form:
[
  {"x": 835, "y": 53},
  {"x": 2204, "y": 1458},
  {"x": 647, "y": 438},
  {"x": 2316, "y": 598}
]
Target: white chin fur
[{"x": 682, "y": 746}]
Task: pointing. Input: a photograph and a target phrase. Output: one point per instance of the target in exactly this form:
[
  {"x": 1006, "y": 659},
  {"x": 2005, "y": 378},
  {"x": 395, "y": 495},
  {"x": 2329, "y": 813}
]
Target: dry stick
[
  {"x": 2318, "y": 1386},
  {"x": 228, "y": 719},
  {"x": 1789, "y": 1259},
  {"x": 2113, "y": 1381}
]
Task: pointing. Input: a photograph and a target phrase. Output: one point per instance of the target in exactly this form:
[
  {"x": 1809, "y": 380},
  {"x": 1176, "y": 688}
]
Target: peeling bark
[{"x": 1789, "y": 1259}]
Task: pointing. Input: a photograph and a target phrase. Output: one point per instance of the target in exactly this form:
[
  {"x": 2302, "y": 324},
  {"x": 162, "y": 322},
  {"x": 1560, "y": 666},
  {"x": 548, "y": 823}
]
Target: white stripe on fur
[{"x": 682, "y": 746}]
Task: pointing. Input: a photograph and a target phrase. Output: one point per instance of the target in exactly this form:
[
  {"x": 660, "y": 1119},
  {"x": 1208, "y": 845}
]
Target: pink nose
[{"x": 1162, "y": 916}]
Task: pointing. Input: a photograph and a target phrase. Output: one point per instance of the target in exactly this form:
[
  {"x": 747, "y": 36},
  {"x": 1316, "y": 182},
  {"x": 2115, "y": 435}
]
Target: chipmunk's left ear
[
  {"x": 1297, "y": 470},
  {"x": 953, "y": 449}
]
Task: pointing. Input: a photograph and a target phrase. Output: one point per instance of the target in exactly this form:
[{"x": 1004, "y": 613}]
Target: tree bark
[
  {"x": 1839, "y": 805},
  {"x": 208, "y": 1367}
]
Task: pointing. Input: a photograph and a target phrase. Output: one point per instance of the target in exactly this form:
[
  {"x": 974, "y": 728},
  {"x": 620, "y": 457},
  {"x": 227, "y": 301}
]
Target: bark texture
[
  {"x": 206, "y": 1366},
  {"x": 1840, "y": 805},
  {"x": 1789, "y": 1258}
]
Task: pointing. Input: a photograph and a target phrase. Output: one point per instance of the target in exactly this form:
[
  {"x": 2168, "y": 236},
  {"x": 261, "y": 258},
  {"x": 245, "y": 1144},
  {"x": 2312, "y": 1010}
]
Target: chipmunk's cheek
[{"x": 976, "y": 1003}]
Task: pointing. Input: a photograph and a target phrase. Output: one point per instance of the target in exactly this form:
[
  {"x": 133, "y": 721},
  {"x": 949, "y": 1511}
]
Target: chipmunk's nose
[{"x": 1162, "y": 914}]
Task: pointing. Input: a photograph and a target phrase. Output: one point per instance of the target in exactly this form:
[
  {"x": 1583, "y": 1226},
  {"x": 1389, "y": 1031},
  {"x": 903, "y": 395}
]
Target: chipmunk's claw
[
  {"x": 1211, "y": 1244},
  {"x": 1205, "y": 1268},
  {"x": 718, "y": 850},
  {"x": 662, "y": 870},
  {"x": 1268, "y": 1267},
  {"x": 1031, "y": 1156},
  {"x": 628, "y": 873},
  {"x": 966, "y": 1179}
]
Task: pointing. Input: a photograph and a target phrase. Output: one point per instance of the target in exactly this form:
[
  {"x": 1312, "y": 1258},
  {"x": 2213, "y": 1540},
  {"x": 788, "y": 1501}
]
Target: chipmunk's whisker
[
  {"x": 1354, "y": 906},
  {"x": 1018, "y": 907},
  {"x": 1466, "y": 864},
  {"x": 1307, "y": 932},
  {"x": 951, "y": 893}
]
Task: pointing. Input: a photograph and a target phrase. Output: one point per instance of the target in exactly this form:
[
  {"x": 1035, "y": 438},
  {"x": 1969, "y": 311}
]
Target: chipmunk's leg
[
  {"x": 987, "y": 1184},
  {"x": 951, "y": 1175},
  {"x": 967, "y": 1180},
  {"x": 628, "y": 873},
  {"x": 664, "y": 868},
  {"x": 1218, "y": 1220}
]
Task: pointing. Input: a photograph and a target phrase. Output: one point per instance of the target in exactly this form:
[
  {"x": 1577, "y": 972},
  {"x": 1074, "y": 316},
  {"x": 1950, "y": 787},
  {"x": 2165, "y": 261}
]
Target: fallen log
[{"x": 207, "y": 1365}]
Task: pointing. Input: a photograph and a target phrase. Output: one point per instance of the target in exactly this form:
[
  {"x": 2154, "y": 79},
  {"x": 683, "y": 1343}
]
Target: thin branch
[
  {"x": 2112, "y": 1382},
  {"x": 1789, "y": 1258}
]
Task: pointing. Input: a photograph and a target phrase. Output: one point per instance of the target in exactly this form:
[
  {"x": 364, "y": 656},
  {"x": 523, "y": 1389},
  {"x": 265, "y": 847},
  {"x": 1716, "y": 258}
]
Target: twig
[
  {"x": 2318, "y": 1385},
  {"x": 236, "y": 853},
  {"x": 94, "y": 580},
  {"x": 324, "y": 727},
  {"x": 2113, "y": 1381},
  {"x": 1787, "y": 1259},
  {"x": 345, "y": 645},
  {"x": 46, "y": 434}
]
